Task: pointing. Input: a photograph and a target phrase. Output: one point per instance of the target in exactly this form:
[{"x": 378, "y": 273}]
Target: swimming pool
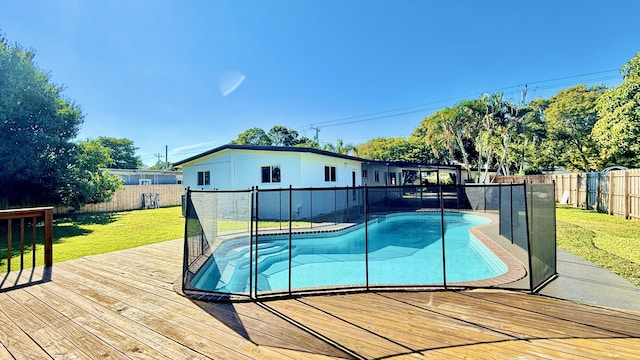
[{"x": 402, "y": 249}]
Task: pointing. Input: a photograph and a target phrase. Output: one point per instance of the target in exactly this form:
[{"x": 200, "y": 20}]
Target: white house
[
  {"x": 241, "y": 167},
  {"x": 237, "y": 167}
]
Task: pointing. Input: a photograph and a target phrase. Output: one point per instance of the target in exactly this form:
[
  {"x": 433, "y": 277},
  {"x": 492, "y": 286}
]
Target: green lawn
[{"x": 605, "y": 240}]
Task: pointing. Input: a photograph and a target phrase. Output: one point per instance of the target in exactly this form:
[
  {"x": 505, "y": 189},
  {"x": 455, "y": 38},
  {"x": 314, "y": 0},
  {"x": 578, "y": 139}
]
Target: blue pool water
[{"x": 404, "y": 249}]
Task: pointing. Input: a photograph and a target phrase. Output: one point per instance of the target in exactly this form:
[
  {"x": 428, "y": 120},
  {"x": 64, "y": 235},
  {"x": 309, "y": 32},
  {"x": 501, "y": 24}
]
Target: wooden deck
[{"x": 122, "y": 305}]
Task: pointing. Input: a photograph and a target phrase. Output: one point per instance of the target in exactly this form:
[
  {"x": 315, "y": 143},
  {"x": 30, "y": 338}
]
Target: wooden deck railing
[{"x": 34, "y": 214}]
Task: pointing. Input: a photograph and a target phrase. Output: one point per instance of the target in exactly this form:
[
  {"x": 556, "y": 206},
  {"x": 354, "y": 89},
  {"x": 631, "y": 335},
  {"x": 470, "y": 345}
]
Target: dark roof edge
[
  {"x": 268, "y": 148},
  {"x": 308, "y": 150}
]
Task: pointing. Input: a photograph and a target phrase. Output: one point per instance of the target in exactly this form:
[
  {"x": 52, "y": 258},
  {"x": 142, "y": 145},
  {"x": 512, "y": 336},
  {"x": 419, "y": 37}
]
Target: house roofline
[
  {"x": 267, "y": 148},
  {"x": 296, "y": 149}
]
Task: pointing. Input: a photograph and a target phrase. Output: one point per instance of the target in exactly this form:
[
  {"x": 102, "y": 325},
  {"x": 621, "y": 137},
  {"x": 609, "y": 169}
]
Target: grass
[
  {"x": 605, "y": 240},
  {"x": 82, "y": 235}
]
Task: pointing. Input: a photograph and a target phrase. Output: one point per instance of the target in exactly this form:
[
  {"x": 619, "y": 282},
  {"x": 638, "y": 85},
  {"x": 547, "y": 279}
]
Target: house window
[
  {"x": 365, "y": 174},
  {"x": 392, "y": 178},
  {"x": 144, "y": 181},
  {"x": 330, "y": 173},
  {"x": 204, "y": 178},
  {"x": 376, "y": 176},
  {"x": 271, "y": 174}
]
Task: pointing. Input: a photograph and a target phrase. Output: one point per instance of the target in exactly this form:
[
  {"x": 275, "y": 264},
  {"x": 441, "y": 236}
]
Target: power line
[{"x": 395, "y": 112}]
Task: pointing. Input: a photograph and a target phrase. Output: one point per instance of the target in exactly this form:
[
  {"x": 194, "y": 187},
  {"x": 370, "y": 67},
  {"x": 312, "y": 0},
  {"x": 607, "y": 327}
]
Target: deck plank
[{"x": 122, "y": 305}]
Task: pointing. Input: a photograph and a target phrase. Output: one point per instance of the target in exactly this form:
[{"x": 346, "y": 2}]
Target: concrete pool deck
[{"x": 587, "y": 283}]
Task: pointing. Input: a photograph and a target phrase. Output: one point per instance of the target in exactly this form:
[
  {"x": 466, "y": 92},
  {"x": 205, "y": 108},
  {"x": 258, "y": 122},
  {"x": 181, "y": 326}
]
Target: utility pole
[
  {"x": 524, "y": 95},
  {"x": 159, "y": 156},
  {"x": 166, "y": 158},
  {"x": 316, "y": 138}
]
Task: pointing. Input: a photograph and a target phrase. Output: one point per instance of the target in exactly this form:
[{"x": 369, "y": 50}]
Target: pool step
[{"x": 236, "y": 271}]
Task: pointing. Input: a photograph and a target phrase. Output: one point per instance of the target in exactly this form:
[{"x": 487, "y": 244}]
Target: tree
[
  {"x": 86, "y": 183},
  {"x": 449, "y": 133},
  {"x": 122, "y": 153},
  {"x": 530, "y": 144},
  {"x": 618, "y": 127},
  {"x": 37, "y": 156},
  {"x": 277, "y": 136},
  {"x": 253, "y": 136},
  {"x": 387, "y": 149},
  {"x": 340, "y": 147},
  {"x": 570, "y": 118},
  {"x": 282, "y": 136}
]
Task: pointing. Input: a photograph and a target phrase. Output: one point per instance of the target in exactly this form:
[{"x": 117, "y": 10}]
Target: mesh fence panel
[
  {"x": 505, "y": 211},
  {"x": 222, "y": 256},
  {"x": 217, "y": 223},
  {"x": 542, "y": 219},
  {"x": 519, "y": 216}
]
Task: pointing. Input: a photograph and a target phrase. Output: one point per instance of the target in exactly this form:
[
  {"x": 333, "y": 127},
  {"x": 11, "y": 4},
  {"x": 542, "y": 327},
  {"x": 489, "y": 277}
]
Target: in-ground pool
[{"x": 403, "y": 249}]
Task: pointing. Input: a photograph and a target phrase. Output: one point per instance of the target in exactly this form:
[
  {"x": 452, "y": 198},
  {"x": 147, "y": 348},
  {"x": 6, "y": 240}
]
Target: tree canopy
[
  {"x": 277, "y": 136},
  {"x": 618, "y": 127},
  {"x": 41, "y": 165},
  {"x": 570, "y": 117},
  {"x": 122, "y": 153}
]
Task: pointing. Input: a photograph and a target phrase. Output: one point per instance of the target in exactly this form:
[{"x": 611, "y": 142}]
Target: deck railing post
[
  {"x": 48, "y": 237},
  {"x": 9, "y": 237},
  {"x": 33, "y": 213}
]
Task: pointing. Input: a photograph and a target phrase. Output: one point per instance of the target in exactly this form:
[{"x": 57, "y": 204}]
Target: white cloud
[{"x": 229, "y": 82}]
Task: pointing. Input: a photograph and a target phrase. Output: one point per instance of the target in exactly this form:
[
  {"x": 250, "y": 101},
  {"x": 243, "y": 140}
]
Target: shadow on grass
[
  {"x": 71, "y": 225},
  {"x": 66, "y": 226}
]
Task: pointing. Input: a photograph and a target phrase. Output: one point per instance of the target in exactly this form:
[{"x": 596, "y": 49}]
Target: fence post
[
  {"x": 625, "y": 186},
  {"x": 598, "y": 185},
  {"x": 310, "y": 208},
  {"x": 290, "y": 236},
  {"x": 255, "y": 266},
  {"x": 442, "y": 229},
  {"x": 366, "y": 235},
  {"x": 577, "y": 190},
  {"x": 586, "y": 191},
  {"x": 611, "y": 192}
]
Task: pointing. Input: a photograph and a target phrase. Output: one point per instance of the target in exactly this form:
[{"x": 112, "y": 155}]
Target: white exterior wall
[
  {"x": 217, "y": 165},
  {"x": 233, "y": 169},
  {"x": 312, "y": 171}
]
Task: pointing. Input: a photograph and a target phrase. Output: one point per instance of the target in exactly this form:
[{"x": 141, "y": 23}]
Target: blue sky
[{"x": 192, "y": 75}]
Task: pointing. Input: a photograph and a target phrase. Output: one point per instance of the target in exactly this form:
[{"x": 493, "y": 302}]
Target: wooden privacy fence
[
  {"x": 616, "y": 192},
  {"x": 28, "y": 217},
  {"x": 132, "y": 197}
]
